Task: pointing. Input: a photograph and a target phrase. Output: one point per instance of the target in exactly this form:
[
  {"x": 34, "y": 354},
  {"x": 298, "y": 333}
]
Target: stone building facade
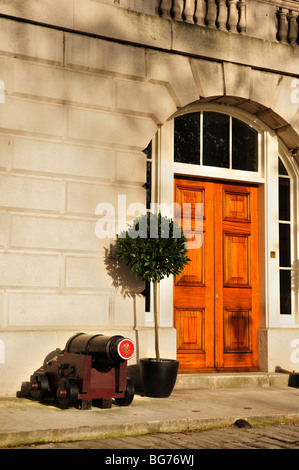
[{"x": 87, "y": 88}]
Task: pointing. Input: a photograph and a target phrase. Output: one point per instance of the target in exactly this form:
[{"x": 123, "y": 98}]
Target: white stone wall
[{"x": 71, "y": 137}]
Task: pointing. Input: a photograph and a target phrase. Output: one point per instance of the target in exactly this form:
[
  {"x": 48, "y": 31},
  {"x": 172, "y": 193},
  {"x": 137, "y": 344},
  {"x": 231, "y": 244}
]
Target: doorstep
[{"x": 231, "y": 380}]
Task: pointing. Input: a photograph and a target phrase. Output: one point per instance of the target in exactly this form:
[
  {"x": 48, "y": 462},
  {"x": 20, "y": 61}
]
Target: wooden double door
[{"x": 216, "y": 305}]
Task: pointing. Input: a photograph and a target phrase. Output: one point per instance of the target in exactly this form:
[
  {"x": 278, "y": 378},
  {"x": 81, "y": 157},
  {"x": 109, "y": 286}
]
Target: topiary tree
[{"x": 154, "y": 247}]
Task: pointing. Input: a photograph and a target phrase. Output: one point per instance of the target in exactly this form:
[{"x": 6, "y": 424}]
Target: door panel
[
  {"x": 236, "y": 260},
  {"x": 236, "y": 277},
  {"x": 216, "y": 296},
  {"x": 194, "y": 288},
  {"x": 191, "y": 330},
  {"x": 237, "y": 332}
]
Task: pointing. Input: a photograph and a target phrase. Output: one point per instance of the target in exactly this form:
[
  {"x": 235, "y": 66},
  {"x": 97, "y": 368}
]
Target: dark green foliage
[{"x": 153, "y": 247}]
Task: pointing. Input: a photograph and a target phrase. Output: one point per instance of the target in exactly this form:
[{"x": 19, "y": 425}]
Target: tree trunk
[{"x": 155, "y": 289}]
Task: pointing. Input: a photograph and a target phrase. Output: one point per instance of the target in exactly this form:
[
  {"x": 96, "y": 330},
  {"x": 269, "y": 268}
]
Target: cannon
[{"x": 91, "y": 371}]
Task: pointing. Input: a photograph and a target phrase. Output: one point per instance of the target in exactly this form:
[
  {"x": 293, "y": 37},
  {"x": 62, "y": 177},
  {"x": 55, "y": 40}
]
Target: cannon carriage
[{"x": 91, "y": 371}]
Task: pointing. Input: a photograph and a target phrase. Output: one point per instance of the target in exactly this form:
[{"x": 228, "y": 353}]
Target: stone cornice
[{"x": 111, "y": 23}]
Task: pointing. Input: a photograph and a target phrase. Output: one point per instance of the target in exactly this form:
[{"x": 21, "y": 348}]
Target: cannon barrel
[{"x": 105, "y": 350}]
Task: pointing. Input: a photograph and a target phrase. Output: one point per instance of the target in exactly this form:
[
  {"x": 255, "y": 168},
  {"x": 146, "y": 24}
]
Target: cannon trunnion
[{"x": 92, "y": 370}]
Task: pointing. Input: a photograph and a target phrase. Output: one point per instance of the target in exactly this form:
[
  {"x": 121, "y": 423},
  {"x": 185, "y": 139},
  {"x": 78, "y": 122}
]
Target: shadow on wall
[
  {"x": 123, "y": 279},
  {"x": 129, "y": 285}
]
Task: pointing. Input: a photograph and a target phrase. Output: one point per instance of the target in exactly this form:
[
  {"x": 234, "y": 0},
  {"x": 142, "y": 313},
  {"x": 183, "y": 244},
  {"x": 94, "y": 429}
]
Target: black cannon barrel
[{"x": 105, "y": 350}]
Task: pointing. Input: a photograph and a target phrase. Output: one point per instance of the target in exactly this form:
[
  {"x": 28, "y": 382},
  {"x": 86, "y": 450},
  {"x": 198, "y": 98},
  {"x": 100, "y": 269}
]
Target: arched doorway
[{"x": 230, "y": 295}]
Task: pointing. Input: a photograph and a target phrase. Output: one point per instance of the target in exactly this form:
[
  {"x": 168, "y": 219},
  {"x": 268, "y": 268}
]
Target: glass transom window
[{"x": 215, "y": 139}]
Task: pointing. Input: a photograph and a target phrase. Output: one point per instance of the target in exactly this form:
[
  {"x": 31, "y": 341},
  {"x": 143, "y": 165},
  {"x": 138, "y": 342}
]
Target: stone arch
[{"x": 269, "y": 96}]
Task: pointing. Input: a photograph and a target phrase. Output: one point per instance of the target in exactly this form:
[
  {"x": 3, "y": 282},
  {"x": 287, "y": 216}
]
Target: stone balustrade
[
  {"x": 274, "y": 20},
  {"x": 233, "y": 15},
  {"x": 288, "y": 25},
  {"x": 225, "y": 15}
]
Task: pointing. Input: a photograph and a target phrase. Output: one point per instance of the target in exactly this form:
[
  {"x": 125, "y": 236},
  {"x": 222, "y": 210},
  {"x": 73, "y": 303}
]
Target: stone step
[{"x": 231, "y": 380}]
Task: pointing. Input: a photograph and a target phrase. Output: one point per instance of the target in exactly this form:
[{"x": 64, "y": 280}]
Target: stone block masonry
[
  {"x": 33, "y": 42},
  {"x": 69, "y": 140}
]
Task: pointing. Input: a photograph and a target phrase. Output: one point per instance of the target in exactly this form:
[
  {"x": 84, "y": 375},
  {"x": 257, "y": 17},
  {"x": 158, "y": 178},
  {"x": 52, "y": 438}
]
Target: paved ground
[
  {"x": 259, "y": 437},
  {"x": 25, "y": 422}
]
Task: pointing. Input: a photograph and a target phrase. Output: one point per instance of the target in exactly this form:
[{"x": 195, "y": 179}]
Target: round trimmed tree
[{"x": 154, "y": 247}]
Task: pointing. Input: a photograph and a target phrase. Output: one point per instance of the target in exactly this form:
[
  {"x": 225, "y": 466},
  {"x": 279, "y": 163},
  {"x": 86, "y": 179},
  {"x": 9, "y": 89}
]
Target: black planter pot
[{"x": 158, "y": 377}]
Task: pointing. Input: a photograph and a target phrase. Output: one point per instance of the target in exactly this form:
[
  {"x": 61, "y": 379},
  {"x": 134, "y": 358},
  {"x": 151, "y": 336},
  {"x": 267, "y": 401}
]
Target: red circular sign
[{"x": 126, "y": 349}]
